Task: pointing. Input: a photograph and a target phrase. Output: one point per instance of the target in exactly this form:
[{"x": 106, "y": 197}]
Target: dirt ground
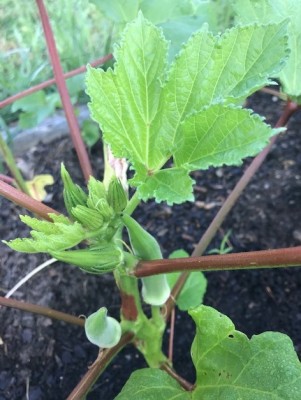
[{"x": 45, "y": 359}]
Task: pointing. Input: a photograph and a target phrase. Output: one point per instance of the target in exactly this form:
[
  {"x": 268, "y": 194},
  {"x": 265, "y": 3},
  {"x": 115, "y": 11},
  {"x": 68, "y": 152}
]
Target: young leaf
[
  {"x": 220, "y": 135},
  {"x": 172, "y": 185},
  {"x": 265, "y": 11},
  {"x": 125, "y": 101},
  {"x": 231, "y": 366},
  {"x": 212, "y": 69},
  {"x": 194, "y": 289},
  {"x": 150, "y": 384}
]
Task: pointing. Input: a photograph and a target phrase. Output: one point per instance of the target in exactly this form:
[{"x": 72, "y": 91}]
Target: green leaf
[
  {"x": 194, "y": 289},
  {"x": 158, "y": 11},
  {"x": 213, "y": 69},
  {"x": 265, "y": 11},
  {"x": 172, "y": 185},
  {"x": 144, "y": 112},
  {"x": 47, "y": 238},
  {"x": 39, "y": 225},
  {"x": 117, "y": 10},
  {"x": 220, "y": 135},
  {"x": 125, "y": 101},
  {"x": 90, "y": 132},
  {"x": 30, "y": 103},
  {"x": 230, "y": 366},
  {"x": 152, "y": 384}
]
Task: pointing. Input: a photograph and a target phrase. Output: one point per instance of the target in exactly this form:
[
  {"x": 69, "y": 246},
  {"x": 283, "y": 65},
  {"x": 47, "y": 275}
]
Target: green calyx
[{"x": 101, "y": 330}]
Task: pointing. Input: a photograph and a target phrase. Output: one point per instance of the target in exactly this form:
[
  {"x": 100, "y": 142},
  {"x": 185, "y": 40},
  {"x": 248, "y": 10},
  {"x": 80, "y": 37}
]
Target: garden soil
[{"x": 43, "y": 359}]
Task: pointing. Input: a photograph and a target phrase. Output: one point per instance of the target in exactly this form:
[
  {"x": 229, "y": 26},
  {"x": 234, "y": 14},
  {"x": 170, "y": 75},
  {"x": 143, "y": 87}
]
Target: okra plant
[{"x": 168, "y": 120}]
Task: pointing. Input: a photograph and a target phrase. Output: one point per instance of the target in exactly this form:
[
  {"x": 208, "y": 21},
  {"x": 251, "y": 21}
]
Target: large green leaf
[
  {"x": 230, "y": 366},
  {"x": 212, "y": 69},
  {"x": 266, "y": 11},
  {"x": 152, "y": 384},
  {"x": 142, "y": 108},
  {"x": 220, "y": 135}
]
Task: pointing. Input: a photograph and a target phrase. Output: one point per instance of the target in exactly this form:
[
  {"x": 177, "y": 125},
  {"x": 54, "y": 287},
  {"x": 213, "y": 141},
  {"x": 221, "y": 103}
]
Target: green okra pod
[{"x": 155, "y": 289}]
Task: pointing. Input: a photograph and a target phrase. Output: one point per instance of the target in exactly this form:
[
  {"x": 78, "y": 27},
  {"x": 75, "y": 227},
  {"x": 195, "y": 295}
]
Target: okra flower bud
[
  {"x": 117, "y": 197},
  {"x": 87, "y": 217},
  {"x": 101, "y": 330},
  {"x": 73, "y": 194},
  {"x": 155, "y": 289},
  {"x": 98, "y": 261}
]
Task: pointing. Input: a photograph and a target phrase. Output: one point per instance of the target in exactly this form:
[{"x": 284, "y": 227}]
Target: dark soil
[{"x": 44, "y": 359}]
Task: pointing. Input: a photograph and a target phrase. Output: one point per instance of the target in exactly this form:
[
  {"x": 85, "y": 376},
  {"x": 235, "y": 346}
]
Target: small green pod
[
  {"x": 116, "y": 196},
  {"x": 101, "y": 330},
  {"x": 155, "y": 289},
  {"x": 143, "y": 243}
]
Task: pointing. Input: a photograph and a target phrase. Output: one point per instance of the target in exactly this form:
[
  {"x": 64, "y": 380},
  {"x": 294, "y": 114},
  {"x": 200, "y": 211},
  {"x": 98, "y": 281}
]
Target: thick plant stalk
[
  {"x": 65, "y": 98},
  {"x": 21, "y": 199},
  {"x": 93, "y": 373},
  {"x": 49, "y": 82},
  {"x": 289, "y": 110},
  {"x": 45, "y": 311},
  {"x": 11, "y": 164},
  {"x": 286, "y": 257}
]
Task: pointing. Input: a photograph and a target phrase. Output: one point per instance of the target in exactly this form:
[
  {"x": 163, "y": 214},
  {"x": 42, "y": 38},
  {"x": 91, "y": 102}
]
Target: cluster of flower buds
[{"x": 95, "y": 217}]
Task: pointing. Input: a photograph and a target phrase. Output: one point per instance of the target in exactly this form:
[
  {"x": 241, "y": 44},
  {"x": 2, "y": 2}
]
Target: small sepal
[{"x": 101, "y": 330}]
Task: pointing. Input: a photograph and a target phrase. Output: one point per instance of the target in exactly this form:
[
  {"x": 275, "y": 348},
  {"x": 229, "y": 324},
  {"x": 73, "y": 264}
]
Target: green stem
[
  {"x": 132, "y": 204},
  {"x": 11, "y": 164}
]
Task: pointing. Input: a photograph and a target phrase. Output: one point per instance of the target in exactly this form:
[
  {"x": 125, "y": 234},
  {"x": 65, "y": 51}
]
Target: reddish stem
[
  {"x": 286, "y": 257},
  {"x": 45, "y": 311},
  {"x": 21, "y": 199},
  {"x": 65, "y": 98},
  {"x": 51, "y": 81},
  {"x": 7, "y": 179},
  {"x": 88, "y": 380},
  {"x": 185, "y": 384}
]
